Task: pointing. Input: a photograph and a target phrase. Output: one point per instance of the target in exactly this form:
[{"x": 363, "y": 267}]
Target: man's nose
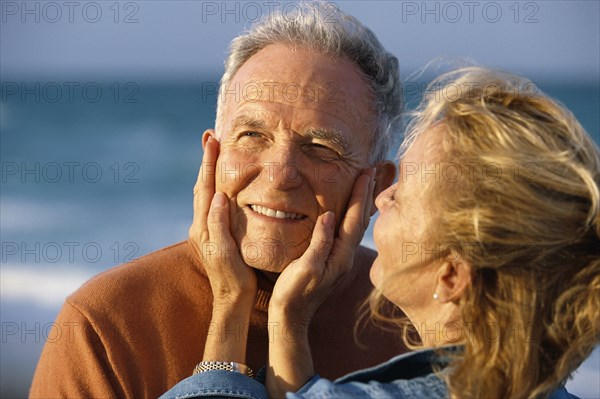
[{"x": 282, "y": 167}]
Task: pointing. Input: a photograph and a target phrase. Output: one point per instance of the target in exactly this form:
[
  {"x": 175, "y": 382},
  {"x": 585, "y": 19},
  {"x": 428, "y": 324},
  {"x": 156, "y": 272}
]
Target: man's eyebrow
[
  {"x": 332, "y": 135},
  {"x": 248, "y": 121}
]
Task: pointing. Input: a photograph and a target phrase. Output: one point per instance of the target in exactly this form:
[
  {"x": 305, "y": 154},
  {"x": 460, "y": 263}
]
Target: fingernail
[
  {"x": 219, "y": 199},
  {"x": 329, "y": 219}
]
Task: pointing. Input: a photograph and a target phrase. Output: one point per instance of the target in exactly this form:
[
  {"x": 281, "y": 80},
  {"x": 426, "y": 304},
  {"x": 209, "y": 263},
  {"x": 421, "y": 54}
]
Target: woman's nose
[{"x": 384, "y": 197}]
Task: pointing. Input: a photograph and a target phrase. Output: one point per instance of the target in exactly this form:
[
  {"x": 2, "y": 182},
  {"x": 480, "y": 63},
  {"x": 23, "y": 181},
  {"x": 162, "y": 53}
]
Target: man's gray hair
[{"x": 329, "y": 31}]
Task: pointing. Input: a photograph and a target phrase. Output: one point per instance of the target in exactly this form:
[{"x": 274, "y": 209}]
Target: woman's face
[{"x": 400, "y": 233}]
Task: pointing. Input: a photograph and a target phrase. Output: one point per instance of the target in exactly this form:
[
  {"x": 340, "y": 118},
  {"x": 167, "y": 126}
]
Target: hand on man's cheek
[{"x": 274, "y": 205}]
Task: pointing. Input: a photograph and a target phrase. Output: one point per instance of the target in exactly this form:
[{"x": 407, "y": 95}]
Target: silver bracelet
[{"x": 227, "y": 366}]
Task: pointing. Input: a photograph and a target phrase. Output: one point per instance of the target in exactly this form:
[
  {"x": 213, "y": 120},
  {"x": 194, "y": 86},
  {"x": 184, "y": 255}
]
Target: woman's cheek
[{"x": 376, "y": 273}]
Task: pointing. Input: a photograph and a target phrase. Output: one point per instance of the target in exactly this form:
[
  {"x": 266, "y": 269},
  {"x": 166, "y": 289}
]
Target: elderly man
[{"x": 308, "y": 104}]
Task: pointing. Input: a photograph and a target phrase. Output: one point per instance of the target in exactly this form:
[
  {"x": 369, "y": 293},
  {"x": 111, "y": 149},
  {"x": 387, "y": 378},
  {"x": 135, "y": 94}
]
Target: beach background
[{"x": 103, "y": 105}]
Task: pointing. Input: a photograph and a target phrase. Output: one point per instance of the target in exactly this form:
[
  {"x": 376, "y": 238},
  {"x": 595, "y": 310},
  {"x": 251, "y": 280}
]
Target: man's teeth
[{"x": 263, "y": 210}]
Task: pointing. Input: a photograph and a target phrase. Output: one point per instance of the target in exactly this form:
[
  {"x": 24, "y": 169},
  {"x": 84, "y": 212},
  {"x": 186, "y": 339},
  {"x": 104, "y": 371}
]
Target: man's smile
[{"x": 275, "y": 213}]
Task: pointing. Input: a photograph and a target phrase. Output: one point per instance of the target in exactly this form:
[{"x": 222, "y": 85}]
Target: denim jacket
[{"x": 405, "y": 376}]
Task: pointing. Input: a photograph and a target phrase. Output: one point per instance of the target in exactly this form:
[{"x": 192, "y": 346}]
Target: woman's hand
[
  {"x": 233, "y": 283},
  {"x": 308, "y": 280},
  {"x": 305, "y": 284}
]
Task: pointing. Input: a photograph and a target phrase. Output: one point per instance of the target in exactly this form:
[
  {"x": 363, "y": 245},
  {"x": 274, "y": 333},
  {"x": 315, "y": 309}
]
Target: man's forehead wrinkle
[
  {"x": 329, "y": 134},
  {"x": 302, "y": 91},
  {"x": 253, "y": 114},
  {"x": 247, "y": 120},
  {"x": 259, "y": 115}
]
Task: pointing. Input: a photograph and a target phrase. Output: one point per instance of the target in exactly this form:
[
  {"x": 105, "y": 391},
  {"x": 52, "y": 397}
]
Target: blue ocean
[{"x": 98, "y": 173}]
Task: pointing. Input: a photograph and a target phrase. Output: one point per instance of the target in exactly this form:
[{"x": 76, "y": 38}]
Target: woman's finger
[
  {"x": 205, "y": 184},
  {"x": 226, "y": 270},
  {"x": 353, "y": 224},
  {"x": 298, "y": 284},
  {"x": 369, "y": 200},
  {"x": 218, "y": 223},
  {"x": 322, "y": 239}
]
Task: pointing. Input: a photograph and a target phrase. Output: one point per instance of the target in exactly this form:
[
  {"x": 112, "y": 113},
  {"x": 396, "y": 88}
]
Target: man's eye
[
  {"x": 322, "y": 148},
  {"x": 322, "y": 151},
  {"x": 250, "y": 134}
]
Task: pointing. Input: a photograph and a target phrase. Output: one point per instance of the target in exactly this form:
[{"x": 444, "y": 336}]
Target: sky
[{"x": 188, "y": 39}]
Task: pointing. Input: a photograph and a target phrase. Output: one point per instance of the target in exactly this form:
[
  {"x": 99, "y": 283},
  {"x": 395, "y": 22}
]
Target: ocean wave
[{"x": 43, "y": 287}]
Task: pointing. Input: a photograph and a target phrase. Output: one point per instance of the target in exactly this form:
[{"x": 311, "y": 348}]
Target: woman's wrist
[
  {"x": 227, "y": 337},
  {"x": 231, "y": 303},
  {"x": 290, "y": 360},
  {"x": 230, "y": 315},
  {"x": 287, "y": 326},
  {"x": 228, "y": 330},
  {"x": 289, "y": 314}
]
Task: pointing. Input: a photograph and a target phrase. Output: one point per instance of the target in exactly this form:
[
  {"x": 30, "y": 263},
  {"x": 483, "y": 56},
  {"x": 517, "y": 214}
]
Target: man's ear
[
  {"x": 453, "y": 278},
  {"x": 384, "y": 177},
  {"x": 208, "y": 133}
]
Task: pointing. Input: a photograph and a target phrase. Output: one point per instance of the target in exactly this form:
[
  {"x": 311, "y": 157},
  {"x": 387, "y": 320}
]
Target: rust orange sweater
[{"x": 136, "y": 330}]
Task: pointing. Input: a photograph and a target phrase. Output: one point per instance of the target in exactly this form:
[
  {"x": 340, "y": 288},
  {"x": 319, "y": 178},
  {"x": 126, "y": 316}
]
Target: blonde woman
[{"x": 489, "y": 243}]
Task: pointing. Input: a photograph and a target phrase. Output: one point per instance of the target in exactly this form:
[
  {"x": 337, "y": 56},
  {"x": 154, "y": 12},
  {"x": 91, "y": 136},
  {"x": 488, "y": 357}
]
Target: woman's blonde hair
[{"x": 518, "y": 197}]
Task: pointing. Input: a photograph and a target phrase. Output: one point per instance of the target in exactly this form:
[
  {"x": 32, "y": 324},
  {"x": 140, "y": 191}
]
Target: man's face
[{"x": 294, "y": 135}]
